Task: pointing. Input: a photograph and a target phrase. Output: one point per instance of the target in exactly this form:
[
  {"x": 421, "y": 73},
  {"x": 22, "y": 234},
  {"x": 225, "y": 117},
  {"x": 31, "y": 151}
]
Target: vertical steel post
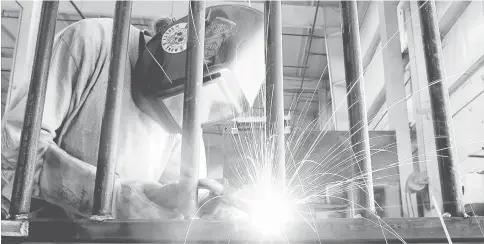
[
  {"x": 192, "y": 130},
  {"x": 24, "y": 174},
  {"x": 106, "y": 165},
  {"x": 439, "y": 99},
  {"x": 360, "y": 140},
  {"x": 274, "y": 86}
]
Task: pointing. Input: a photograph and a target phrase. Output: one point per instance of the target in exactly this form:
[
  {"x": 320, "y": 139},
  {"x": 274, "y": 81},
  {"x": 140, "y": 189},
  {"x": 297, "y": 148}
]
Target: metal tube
[
  {"x": 360, "y": 139},
  {"x": 103, "y": 189},
  {"x": 192, "y": 130},
  {"x": 302, "y": 35},
  {"x": 439, "y": 99},
  {"x": 77, "y": 9},
  {"x": 274, "y": 86},
  {"x": 24, "y": 174}
]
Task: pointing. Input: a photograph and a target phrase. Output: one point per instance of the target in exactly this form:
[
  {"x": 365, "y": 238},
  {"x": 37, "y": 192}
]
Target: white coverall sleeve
[{"x": 67, "y": 81}]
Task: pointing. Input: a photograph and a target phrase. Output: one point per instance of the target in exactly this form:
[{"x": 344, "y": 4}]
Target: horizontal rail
[{"x": 411, "y": 230}]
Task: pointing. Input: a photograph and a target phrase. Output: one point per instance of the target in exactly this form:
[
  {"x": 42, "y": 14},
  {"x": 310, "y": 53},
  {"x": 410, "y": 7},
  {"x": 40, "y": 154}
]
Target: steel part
[
  {"x": 275, "y": 88},
  {"x": 295, "y": 66},
  {"x": 410, "y": 230},
  {"x": 192, "y": 129},
  {"x": 16, "y": 228},
  {"x": 302, "y": 35},
  {"x": 450, "y": 184},
  {"x": 77, "y": 9},
  {"x": 24, "y": 174},
  {"x": 475, "y": 156},
  {"x": 331, "y": 89},
  {"x": 317, "y": 54},
  {"x": 360, "y": 140},
  {"x": 105, "y": 173}
]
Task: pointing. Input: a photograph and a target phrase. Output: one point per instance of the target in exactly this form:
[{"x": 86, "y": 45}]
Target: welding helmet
[{"x": 233, "y": 65}]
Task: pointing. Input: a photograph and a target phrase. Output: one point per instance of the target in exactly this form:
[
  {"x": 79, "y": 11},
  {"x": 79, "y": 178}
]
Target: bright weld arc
[{"x": 268, "y": 211}]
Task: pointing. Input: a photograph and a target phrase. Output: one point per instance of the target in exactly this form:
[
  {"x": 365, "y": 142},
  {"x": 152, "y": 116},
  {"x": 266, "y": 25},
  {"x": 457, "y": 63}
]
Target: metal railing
[{"x": 192, "y": 124}]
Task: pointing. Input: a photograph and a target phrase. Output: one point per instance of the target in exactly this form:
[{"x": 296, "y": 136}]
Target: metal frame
[
  {"x": 360, "y": 230},
  {"x": 452, "y": 196},
  {"x": 24, "y": 174},
  {"x": 360, "y": 139},
  {"x": 106, "y": 165},
  {"x": 411, "y": 230},
  {"x": 274, "y": 87},
  {"x": 192, "y": 126}
]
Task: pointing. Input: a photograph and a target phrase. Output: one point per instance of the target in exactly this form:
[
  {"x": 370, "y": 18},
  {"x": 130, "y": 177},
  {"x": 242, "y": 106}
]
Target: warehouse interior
[{"x": 397, "y": 101}]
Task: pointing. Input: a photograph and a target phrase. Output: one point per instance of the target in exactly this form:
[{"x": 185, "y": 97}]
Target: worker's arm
[{"x": 64, "y": 74}]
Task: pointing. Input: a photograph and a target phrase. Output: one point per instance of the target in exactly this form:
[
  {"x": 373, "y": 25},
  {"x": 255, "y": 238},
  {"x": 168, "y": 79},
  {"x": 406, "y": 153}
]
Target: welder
[{"x": 148, "y": 154}]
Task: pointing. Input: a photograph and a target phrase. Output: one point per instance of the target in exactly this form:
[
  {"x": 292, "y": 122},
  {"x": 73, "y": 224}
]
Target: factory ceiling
[{"x": 305, "y": 26}]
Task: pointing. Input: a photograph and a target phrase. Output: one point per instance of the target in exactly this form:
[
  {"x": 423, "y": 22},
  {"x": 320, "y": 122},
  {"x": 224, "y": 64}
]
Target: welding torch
[{"x": 226, "y": 193}]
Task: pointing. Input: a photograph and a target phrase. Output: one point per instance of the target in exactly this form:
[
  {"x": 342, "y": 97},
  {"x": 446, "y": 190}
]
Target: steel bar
[
  {"x": 317, "y": 54},
  {"x": 274, "y": 87},
  {"x": 8, "y": 33},
  {"x": 24, "y": 174},
  {"x": 475, "y": 156},
  {"x": 77, "y": 9},
  {"x": 294, "y": 66},
  {"x": 105, "y": 173},
  {"x": 330, "y": 77},
  {"x": 360, "y": 140},
  {"x": 17, "y": 228},
  {"x": 13, "y": 14},
  {"x": 410, "y": 230},
  {"x": 439, "y": 99},
  {"x": 192, "y": 130},
  {"x": 302, "y": 35}
]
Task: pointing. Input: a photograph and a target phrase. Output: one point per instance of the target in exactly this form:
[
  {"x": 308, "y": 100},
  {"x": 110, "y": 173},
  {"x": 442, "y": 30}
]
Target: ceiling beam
[
  {"x": 296, "y": 85},
  {"x": 70, "y": 18},
  {"x": 324, "y": 3},
  {"x": 451, "y": 15},
  {"x": 370, "y": 35},
  {"x": 77, "y": 9},
  {"x": 8, "y": 33},
  {"x": 302, "y": 35},
  {"x": 7, "y": 52}
]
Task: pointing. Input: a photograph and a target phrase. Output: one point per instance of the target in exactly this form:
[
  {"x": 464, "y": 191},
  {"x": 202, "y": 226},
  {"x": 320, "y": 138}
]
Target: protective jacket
[{"x": 147, "y": 149}]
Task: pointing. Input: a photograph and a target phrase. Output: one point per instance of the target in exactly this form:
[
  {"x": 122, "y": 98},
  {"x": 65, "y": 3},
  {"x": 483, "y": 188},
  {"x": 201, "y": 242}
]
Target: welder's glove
[
  {"x": 222, "y": 202},
  {"x": 214, "y": 200},
  {"x": 69, "y": 183}
]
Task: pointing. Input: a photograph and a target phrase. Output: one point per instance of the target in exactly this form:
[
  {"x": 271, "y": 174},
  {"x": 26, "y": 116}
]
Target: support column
[
  {"x": 427, "y": 158},
  {"x": 360, "y": 140},
  {"x": 336, "y": 74},
  {"x": 192, "y": 124},
  {"x": 106, "y": 165},
  {"x": 24, "y": 174},
  {"x": 325, "y": 108},
  {"x": 440, "y": 102},
  {"x": 274, "y": 87},
  {"x": 395, "y": 95}
]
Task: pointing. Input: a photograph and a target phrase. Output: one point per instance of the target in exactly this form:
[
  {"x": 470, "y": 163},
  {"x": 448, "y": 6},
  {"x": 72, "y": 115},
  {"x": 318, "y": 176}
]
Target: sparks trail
[{"x": 311, "y": 178}]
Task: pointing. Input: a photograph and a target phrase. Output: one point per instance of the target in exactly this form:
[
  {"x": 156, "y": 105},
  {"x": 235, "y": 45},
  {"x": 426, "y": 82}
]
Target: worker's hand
[
  {"x": 214, "y": 200},
  {"x": 133, "y": 200},
  {"x": 221, "y": 202},
  {"x": 69, "y": 183}
]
